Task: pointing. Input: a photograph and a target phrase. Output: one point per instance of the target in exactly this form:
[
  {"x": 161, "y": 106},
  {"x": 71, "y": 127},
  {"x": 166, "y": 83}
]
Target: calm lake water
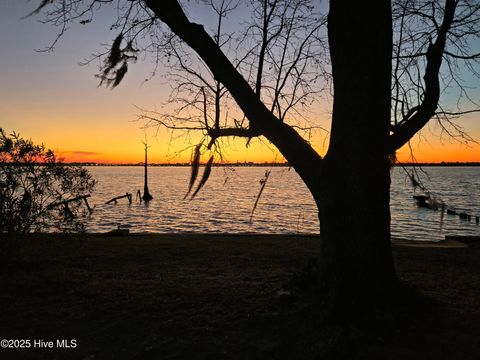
[{"x": 226, "y": 202}]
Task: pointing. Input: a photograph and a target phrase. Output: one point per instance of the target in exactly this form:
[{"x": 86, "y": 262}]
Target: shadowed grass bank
[{"x": 221, "y": 297}]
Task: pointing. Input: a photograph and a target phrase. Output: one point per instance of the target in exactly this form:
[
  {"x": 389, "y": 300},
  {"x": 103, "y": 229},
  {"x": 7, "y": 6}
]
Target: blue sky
[{"x": 50, "y": 98}]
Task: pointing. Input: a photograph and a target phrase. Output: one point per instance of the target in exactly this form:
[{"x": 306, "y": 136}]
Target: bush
[{"x": 32, "y": 182}]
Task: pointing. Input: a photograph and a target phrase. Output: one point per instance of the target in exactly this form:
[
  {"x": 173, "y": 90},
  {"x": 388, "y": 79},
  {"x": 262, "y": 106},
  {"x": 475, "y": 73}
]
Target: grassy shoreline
[{"x": 204, "y": 296}]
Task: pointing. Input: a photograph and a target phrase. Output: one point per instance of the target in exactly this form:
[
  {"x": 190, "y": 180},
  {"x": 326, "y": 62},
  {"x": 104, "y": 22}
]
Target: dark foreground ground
[{"x": 219, "y": 297}]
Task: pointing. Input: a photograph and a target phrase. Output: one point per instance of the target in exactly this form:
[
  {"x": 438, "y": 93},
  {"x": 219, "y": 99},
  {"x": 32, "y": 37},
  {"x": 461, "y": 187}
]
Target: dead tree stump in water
[{"x": 146, "y": 194}]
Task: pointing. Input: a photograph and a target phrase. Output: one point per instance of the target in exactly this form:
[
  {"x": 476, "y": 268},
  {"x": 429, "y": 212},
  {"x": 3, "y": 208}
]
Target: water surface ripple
[{"x": 225, "y": 203}]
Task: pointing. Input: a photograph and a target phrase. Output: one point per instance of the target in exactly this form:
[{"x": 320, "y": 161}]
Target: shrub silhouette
[{"x": 32, "y": 184}]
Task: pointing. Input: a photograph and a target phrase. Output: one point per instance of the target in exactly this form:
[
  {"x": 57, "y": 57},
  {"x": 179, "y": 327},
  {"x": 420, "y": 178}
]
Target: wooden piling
[{"x": 90, "y": 210}]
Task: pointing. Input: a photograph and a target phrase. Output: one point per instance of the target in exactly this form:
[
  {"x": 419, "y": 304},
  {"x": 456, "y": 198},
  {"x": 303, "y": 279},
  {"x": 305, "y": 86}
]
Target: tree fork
[{"x": 293, "y": 147}]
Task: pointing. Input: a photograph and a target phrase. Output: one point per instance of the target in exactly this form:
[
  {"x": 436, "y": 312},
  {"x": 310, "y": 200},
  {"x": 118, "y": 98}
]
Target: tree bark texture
[{"x": 354, "y": 184}]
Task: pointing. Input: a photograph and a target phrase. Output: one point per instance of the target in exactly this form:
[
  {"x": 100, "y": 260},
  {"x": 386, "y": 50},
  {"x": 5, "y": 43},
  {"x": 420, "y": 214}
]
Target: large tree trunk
[
  {"x": 356, "y": 260},
  {"x": 353, "y": 195},
  {"x": 351, "y": 184}
]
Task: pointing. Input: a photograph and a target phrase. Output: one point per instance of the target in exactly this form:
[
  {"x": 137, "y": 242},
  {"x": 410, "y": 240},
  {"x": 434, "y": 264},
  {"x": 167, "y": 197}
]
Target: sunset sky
[{"x": 50, "y": 98}]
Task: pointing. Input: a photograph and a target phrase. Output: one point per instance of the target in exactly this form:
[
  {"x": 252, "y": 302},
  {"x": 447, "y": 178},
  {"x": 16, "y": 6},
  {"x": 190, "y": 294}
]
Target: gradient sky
[{"x": 50, "y": 98}]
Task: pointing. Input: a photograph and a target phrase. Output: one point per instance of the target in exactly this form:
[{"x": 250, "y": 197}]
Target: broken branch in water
[
  {"x": 127, "y": 195},
  {"x": 263, "y": 182}
]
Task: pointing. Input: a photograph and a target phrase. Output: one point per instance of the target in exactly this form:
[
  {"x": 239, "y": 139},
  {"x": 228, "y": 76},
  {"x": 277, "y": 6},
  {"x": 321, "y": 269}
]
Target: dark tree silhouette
[
  {"x": 146, "y": 194},
  {"x": 37, "y": 191},
  {"x": 351, "y": 183}
]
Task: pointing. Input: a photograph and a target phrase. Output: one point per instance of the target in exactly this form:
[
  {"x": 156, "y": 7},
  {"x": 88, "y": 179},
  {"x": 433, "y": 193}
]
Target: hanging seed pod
[
  {"x": 119, "y": 75},
  {"x": 115, "y": 55},
  {"x": 195, "y": 166},
  {"x": 41, "y": 6},
  {"x": 206, "y": 174}
]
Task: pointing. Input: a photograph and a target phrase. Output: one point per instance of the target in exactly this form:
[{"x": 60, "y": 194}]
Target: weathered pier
[{"x": 426, "y": 202}]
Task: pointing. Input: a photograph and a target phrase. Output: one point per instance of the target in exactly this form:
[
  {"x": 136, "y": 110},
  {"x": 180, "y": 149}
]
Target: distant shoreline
[
  {"x": 253, "y": 164},
  {"x": 444, "y": 164}
]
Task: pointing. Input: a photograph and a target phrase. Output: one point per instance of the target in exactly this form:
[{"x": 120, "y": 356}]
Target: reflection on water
[
  {"x": 457, "y": 187},
  {"x": 286, "y": 206}
]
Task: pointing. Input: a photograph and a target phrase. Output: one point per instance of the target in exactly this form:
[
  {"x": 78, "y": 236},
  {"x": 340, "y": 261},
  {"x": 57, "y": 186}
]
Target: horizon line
[{"x": 252, "y": 163}]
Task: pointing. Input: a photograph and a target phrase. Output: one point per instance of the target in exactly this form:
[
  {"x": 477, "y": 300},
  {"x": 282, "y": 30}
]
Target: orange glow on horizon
[
  {"x": 52, "y": 100},
  {"x": 450, "y": 153},
  {"x": 133, "y": 154}
]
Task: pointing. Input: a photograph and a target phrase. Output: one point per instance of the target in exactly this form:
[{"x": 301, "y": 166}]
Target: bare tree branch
[{"x": 419, "y": 55}]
